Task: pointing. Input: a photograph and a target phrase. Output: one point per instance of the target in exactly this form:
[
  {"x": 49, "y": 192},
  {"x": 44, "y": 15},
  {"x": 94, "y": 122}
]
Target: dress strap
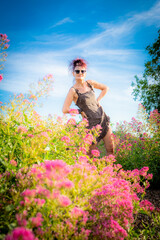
[
  {"x": 76, "y": 90},
  {"x": 90, "y": 86}
]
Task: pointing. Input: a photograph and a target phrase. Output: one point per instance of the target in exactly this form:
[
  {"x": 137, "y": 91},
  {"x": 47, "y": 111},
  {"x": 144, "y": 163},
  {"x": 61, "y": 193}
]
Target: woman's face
[{"x": 79, "y": 73}]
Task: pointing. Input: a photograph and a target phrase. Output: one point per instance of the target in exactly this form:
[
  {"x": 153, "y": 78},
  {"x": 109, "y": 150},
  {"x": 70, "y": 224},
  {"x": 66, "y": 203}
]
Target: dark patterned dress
[{"x": 88, "y": 104}]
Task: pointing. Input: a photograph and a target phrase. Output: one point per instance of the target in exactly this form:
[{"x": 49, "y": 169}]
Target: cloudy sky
[{"x": 46, "y": 35}]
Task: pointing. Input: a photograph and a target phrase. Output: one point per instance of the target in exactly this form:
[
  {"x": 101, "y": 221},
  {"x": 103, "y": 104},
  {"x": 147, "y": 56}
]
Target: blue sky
[{"x": 46, "y": 35}]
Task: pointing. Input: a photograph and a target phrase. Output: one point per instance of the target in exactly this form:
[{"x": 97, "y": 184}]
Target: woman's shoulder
[
  {"x": 73, "y": 90},
  {"x": 91, "y": 82}
]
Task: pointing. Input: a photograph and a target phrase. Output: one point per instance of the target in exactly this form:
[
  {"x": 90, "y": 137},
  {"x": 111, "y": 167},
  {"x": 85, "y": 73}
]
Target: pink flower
[
  {"x": 71, "y": 121},
  {"x": 29, "y": 193},
  {"x": 66, "y": 184},
  {"x": 45, "y": 134},
  {"x": 95, "y": 153},
  {"x": 6, "y": 46},
  {"x": 129, "y": 145},
  {"x": 65, "y": 139},
  {"x": 88, "y": 138},
  {"x": 98, "y": 127},
  {"x": 26, "y": 101},
  {"x": 49, "y": 76},
  {"x": 30, "y": 135},
  {"x": 21, "y": 233},
  {"x": 73, "y": 112},
  {"x": 143, "y": 171},
  {"x": 56, "y": 164},
  {"x": 21, "y": 219},
  {"x": 37, "y": 221},
  {"x": 1, "y": 77},
  {"x": 13, "y": 162},
  {"x": 20, "y": 95},
  {"x": 76, "y": 212},
  {"x": 55, "y": 194},
  {"x": 4, "y": 36},
  {"x": 22, "y": 129},
  {"x": 32, "y": 96},
  {"x": 64, "y": 201},
  {"x": 149, "y": 176},
  {"x": 40, "y": 202},
  {"x": 146, "y": 205},
  {"x": 83, "y": 150},
  {"x": 83, "y": 159}
]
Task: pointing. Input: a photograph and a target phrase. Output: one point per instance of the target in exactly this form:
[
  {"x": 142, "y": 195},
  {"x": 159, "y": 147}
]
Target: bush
[
  {"x": 137, "y": 143},
  {"x": 51, "y": 189}
]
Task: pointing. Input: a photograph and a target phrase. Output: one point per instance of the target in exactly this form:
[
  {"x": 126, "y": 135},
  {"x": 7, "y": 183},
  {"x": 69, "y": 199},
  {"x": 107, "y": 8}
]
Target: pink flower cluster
[
  {"x": 21, "y": 233},
  {"x": 71, "y": 121},
  {"x": 1, "y": 77},
  {"x": 20, "y": 95},
  {"x": 4, "y": 41},
  {"x": 147, "y": 205},
  {"x": 45, "y": 134},
  {"x": 52, "y": 174},
  {"x": 64, "y": 184},
  {"x": 155, "y": 116},
  {"x": 64, "y": 201},
  {"x": 22, "y": 129},
  {"x": 3, "y": 46},
  {"x": 32, "y": 96},
  {"x": 65, "y": 139},
  {"x": 88, "y": 138},
  {"x": 37, "y": 221},
  {"x": 13, "y": 163},
  {"x": 95, "y": 153},
  {"x": 83, "y": 159},
  {"x": 112, "y": 210},
  {"x": 21, "y": 218},
  {"x": 76, "y": 212},
  {"x": 73, "y": 112}
]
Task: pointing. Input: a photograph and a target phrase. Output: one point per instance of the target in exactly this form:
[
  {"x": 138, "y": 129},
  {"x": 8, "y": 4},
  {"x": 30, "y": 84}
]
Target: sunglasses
[{"x": 78, "y": 71}]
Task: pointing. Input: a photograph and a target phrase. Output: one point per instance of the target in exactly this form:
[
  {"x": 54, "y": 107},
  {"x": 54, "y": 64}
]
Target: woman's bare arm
[
  {"x": 104, "y": 89},
  {"x": 68, "y": 101}
]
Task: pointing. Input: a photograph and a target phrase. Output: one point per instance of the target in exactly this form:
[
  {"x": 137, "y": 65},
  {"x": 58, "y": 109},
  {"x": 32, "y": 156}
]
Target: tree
[{"x": 147, "y": 89}]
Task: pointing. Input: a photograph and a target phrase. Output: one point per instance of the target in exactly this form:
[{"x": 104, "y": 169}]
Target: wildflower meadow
[{"x": 51, "y": 189}]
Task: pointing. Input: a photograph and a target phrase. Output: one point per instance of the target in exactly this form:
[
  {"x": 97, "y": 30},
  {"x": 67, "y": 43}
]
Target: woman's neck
[{"x": 80, "y": 82}]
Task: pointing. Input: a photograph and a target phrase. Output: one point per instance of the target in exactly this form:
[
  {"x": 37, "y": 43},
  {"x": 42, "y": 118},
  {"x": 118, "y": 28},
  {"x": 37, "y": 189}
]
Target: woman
[{"x": 82, "y": 93}]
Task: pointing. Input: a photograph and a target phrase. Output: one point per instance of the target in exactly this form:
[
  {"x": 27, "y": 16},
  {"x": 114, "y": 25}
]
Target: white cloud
[
  {"x": 61, "y": 22},
  {"x": 114, "y": 31}
]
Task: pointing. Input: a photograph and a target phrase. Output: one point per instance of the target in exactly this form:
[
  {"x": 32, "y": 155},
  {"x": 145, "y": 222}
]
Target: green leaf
[{"x": 9, "y": 208}]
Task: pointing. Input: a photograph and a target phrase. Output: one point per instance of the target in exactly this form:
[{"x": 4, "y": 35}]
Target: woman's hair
[{"x": 77, "y": 62}]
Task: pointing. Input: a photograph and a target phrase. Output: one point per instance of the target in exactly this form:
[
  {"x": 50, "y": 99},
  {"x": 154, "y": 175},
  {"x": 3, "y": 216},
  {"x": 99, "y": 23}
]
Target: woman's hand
[
  {"x": 83, "y": 115},
  {"x": 98, "y": 103}
]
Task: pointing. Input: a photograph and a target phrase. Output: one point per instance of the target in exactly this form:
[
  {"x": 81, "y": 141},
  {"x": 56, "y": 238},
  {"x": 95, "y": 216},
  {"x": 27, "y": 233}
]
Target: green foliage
[
  {"x": 149, "y": 229},
  {"x": 27, "y": 141},
  {"x": 137, "y": 144},
  {"x": 147, "y": 89}
]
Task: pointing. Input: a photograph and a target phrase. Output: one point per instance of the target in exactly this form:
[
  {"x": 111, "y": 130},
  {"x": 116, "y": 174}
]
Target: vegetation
[{"x": 147, "y": 89}]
